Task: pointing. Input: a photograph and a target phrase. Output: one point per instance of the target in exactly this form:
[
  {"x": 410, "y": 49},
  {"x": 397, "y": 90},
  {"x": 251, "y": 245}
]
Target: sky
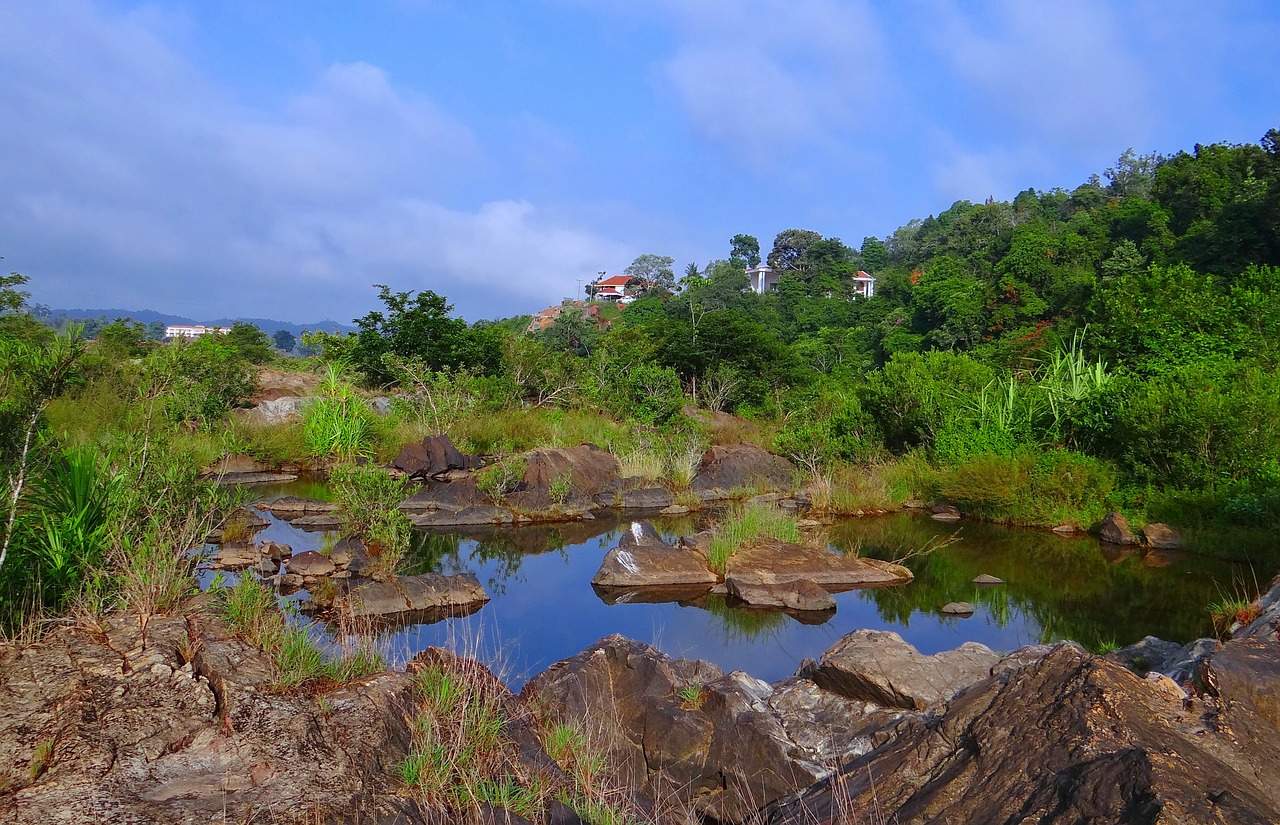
[{"x": 277, "y": 159}]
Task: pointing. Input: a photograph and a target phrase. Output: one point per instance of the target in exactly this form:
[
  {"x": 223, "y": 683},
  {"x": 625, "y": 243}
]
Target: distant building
[
  {"x": 544, "y": 319},
  {"x": 612, "y": 289},
  {"x": 183, "y": 331},
  {"x": 764, "y": 279}
]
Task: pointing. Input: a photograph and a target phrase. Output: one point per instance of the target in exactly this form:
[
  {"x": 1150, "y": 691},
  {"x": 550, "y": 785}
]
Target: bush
[
  {"x": 199, "y": 381},
  {"x": 339, "y": 424},
  {"x": 915, "y": 395}
]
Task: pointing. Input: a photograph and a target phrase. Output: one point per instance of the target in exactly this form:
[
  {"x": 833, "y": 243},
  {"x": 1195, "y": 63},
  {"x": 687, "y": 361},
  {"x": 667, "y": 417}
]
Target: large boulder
[
  {"x": 1115, "y": 530},
  {"x": 434, "y": 594},
  {"x": 642, "y": 559},
  {"x": 444, "y": 495},
  {"x": 801, "y": 594},
  {"x": 878, "y": 666},
  {"x": 434, "y": 456},
  {"x": 726, "y": 470},
  {"x": 583, "y": 471},
  {"x": 1066, "y": 738},
  {"x": 475, "y": 516},
  {"x": 1162, "y": 536}
]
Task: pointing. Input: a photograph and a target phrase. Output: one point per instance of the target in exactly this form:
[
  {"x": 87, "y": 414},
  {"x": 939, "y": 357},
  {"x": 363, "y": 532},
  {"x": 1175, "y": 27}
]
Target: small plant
[
  {"x": 501, "y": 478},
  {"x": 560, "y": 487},
  {"x": 41, "y": 758},
  {"x": 370, "y": 499},
  {"x": 746, "y": 525},
  {"x": 339, "y": 424},
  {"x": 640, "y": 462},
  {"x": 1229, "y": 611},
  {"x": 692, "y": 697}
]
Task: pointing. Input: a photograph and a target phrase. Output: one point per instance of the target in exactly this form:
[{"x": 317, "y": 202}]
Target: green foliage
[
  {"x": 198, "y": 381},
  {"x": 502, "y": 477},
  {"x": 370, "y": 499},
  {"x": 827, "y": 427},
  {"x": 746, "y": 525},
  {"x": 249, "y": 342},
  {"x": 916, "y": 395},
  {"x": 1046, "y": 488},
  {"x": 284, "y": 340},
  {"x": 560, "y": 487},
  {"x": 339, "y": 424}
]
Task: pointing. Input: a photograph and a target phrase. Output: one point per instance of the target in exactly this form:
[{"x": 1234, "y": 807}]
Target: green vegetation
[
  {"x": 339, "y": 424},
  {"x": 745, "y": 525},
  {"x": 370, "y": 499}
]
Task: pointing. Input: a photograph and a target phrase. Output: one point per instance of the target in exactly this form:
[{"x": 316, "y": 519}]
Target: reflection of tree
[
  {"x": 741, "y": 623},
  {"x": 1064, "y": 587}
]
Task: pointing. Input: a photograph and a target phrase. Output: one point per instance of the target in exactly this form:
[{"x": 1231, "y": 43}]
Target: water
[{"x": 544, "y": 608}]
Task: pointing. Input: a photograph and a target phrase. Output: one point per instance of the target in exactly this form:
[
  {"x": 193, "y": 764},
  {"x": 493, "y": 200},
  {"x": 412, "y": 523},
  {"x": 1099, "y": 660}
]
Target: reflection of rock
[
  {"x": 741, "y": 466},
  {"x": 1160, "y": 558},
  {"x": 878, "y": 666},
  {"x": 801, "y": 594},
  {"x": 1115, "y": 530},
  {"x": 317, "y": 521},
  {"x": 772, "y": 562},
  {"x": 241, "y": 520}
]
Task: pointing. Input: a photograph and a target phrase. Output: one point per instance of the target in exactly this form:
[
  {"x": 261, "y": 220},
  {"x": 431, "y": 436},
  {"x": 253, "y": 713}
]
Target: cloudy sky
[{"x": 276, "y": 159}]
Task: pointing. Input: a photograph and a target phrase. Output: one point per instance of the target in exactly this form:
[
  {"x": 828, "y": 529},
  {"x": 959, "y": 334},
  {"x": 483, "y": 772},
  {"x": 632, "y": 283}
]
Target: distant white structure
[
  {"x": 764, "y": 279},
  {"x": 183, "y": 331}
]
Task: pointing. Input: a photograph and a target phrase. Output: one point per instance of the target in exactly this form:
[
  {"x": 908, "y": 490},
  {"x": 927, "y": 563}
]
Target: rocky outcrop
[
  {"x": 184, "y": 726},
  {"x": 290, "y": 507},
  {"x": 434, "y": 456},
  {"x": 727, "y": 469},
  {"x": 445, "y": 496},
  {"x": 418, "y": 599},
  {"x": 1162, "y": 536},
  {"x": 646, "y": 498},
  {"x": 801, "y": 594},
  {"x": 584, "y": 472},
  {"x": 1115, "y": 530},
  {"x": 878, "y": 666},
  {"x": 473, "y": 516},
  {"x": 771, "y": 562},
  {"x": 1067, "y": 738}
]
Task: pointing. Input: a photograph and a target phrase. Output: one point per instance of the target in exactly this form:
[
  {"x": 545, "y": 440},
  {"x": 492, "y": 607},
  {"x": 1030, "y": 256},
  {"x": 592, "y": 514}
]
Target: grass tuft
[{"x": 748, "y": 524}]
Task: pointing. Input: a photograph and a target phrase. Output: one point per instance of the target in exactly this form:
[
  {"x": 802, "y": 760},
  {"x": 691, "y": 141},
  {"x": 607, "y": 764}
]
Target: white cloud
[{"x": 132, "y": 180}]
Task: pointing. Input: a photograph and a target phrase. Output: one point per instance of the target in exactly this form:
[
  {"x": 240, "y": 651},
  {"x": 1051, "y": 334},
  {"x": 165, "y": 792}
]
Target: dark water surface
[{"x": 544, "y": 608}]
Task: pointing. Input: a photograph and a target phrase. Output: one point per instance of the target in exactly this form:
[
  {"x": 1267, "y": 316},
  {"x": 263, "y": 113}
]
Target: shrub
[
  {"x": 370, "y": 500},
  {"x": 339, "y": 424},
  {"x": 501, "y": 478}
]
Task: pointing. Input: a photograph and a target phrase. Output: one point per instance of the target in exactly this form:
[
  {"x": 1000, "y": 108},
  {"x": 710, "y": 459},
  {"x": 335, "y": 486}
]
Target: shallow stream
[{"x": 544, "y": 608}]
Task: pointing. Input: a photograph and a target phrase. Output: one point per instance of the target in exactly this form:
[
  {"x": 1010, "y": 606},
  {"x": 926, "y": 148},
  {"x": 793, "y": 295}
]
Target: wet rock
[
  {"x": 317, "y": 521},
  {"x": 1115, "y": 530},
  {"x": 1069, "y": 738},
  {"x": 276, "y": 550},
  {"x": 1162, "y": 536},
  {"x": 986, "y": 579},
  {"x": 428, "y": 592},
  {"x": 1146, "y": 654},
  {"x": 267, "y": 567},
  {"x": 878, "y": 666},
  {"x": 234, "y": 555},
  {"x": 287, "y": 507},
  {"x": 642, "y": 559},
  {"x": 742, "y": 466},
  {"x": 468, "y": 516},
  {"x": 451, "y": 496},
  {"x": 230, "y": 479},
  {"x": 675, "y": 510},
  {"x": 800, "y": 594},
  {"x": 770, "y": 562},
  {"x": 957, "y": 609},
  {"x": 309, "y": 563},
  {"x": 942, "y": 511},
  {"x": 434, "y": 456},
  {"x": 1066, "y": 529},
  {"x": 649, "y": 498}
]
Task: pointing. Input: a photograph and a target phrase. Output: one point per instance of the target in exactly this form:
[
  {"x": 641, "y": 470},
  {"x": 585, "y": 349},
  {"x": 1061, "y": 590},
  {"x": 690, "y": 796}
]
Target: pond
[{"x": 544, "y": 608}]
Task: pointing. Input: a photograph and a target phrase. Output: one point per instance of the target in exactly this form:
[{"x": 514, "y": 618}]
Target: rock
[
  {"x": 280, "y": 410},
  {"x": 642, "y": 559},
  {"x": 723, "y": 756},
  {"x": 649, "y": 498},
  {"x": 317, "y": 521},
  {"x": 941, "y": 508},
  {"x": 1115, "y": 530},
  {"x": 588, "y": 469},
  {"x": 957, "y": 609},
  {"x": 946, "y": 516},
  {"x": 434, "y": 456},
  {"x": 725, "y": 469},
  {"x": 1167, "y": 687},
  {"x": 986, "y": 579},
  {"x": 232, "y": 479},
  {"x": 1162, "y": 536},
  {"x": 829, "y": 729},
  {"x": 234, "y": 464},
  {"x": 1246, "y": 674},
  {"x": 453, "y": 496},
  {"x": 234, "y": 555},
  {"x": 878, "y": 666},
  {"x": 267, "y": 567},
  {"x": 1186, "y": 666},
  {"x": 1069, "y": 738},
  {"x": 422, "y": 596},
  {"x": 276, "y": 550},
  {"x": 675, "y": 510},
  {"x": 1066, "y": 529},
  {"x": 1267, "y": 623},
  {"x": 467, "y": 516},
  {"x": 800, "y": 594},
  {"x": 770, "y": 562},
  {"x": 309, "y": 563},
  {"x": 287, "y": 507},
  {"x": 1146, "y": 654}
]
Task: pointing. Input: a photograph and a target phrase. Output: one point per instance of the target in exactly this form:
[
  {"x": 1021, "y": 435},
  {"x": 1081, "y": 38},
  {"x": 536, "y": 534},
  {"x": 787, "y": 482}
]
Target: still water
[{"x": 544, "y": 608}]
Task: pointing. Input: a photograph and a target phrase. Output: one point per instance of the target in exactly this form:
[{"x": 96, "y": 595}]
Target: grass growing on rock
[
  {"x": 250, "y": 608},
  {"x": 746, "y": 525}
]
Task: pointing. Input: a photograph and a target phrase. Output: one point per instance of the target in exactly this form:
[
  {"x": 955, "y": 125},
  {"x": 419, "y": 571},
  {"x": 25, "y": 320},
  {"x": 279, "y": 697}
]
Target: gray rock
[
  {"x": 1187, "y": 664},
  {"x": 742, "y": 466},
  {"x": 986, "y": 579},
  {"x": 957, "y": 609},
  {"x": 436, "y": 592},
  {"x": 1115, "y": 530},
  {"x": 293, "y": 506},
  {"x": 649, "y": 498},
  {"x": 467, "y": 516},
  {"x": 309, "y": 563},
  {"x": 878, "y": 666},
  {"x": 770, "y": 563},
  {"x": 642, "y": 559},
  {"x": 800, "y": 594},
  {"x": 1146, "y": 654}
]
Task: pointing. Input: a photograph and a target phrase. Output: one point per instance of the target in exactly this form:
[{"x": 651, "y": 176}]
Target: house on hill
[
  {"x": 186, "y": 331},
  {"x": 614, "y": 289},
  {"x": 544, "y": 319},
  {"x": 764, "y": 279}
]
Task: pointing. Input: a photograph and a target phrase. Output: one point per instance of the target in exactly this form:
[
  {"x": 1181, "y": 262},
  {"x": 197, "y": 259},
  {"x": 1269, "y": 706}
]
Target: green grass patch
[{"x": 746, "y": 525}]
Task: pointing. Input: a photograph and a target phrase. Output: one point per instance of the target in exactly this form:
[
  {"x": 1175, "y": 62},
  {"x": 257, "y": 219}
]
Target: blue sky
[{"x": 248, "y": 158}]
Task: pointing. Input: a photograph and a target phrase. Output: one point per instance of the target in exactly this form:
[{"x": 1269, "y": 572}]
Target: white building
[
  {"x": 183, "y": 331},
  {"x": 763, "y": 279}
]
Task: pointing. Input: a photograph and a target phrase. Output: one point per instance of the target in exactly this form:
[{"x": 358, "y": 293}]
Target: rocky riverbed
[{"x": 178, "y": 721}]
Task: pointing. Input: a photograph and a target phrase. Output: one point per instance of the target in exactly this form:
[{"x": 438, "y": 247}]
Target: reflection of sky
[{"x": 544, "y": 609}]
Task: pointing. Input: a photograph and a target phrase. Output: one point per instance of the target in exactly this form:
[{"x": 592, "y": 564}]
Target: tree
[
  {"x": 654, "y": 274},
  {"x": 691, "y": 274},
  {"x": 790, "y": 246},
  {"x": 249, "y": 342},
  {"x": 284, "y": 340},
  {"x": 12, "y": 298},
  {"x": 745, "y": 248}
]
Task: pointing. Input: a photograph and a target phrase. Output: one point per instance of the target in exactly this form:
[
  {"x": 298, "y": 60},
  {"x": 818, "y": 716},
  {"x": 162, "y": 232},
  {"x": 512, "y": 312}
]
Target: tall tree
[
  {"x": 654, "y": 272},
  {"x": 790, "y": 246},
  {"x": 745, "y": 248},
  {"x": 284, "y": 340}
]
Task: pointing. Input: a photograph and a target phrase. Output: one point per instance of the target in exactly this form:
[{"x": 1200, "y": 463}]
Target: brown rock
[
  {"x": 642, "y": 559},
  {"x": 740, "y": 467},
  {"x": 428, "y": 593},
  {"x": 1162, "y": 536},
  {"x": 1115, "y": 530},
  {"x": 434, "y": 456},
  {"x": 800, "y": 594},
  {"x": 772, "y": 562},
  {"x": 309, "y": 563},
  {"x": 589, "y": 469},
  {"x": 878, "y": 666},
  {"x": 292, "y": 506}
]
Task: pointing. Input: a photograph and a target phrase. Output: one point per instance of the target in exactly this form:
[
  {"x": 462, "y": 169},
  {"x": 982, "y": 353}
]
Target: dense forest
[{"x": 1040, "y": 361}]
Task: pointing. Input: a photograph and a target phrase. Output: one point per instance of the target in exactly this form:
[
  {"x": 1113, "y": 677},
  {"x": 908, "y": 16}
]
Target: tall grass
[
  {"x": 370, "y": 500},
  {"x": 339, "y": 424},
  {"x": 746, "y": 525}
]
